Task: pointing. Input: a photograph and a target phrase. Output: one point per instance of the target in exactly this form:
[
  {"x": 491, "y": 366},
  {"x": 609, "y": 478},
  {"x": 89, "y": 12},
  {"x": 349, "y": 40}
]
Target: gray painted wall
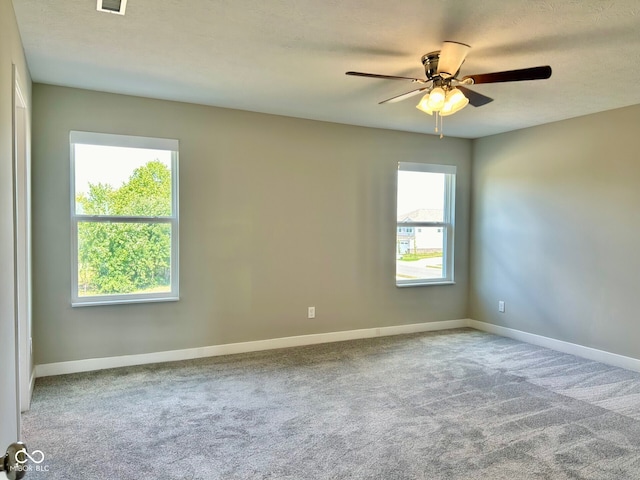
[
  {"x": 556, "y": 230},
  {"x": 10, "y": 53},
  {"x": 276, "y": 214}
]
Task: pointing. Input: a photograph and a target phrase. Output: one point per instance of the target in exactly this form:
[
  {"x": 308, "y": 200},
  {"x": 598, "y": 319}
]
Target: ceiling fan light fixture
[
  {"x": 441, "y": 70},
  {"x": 446, "y": 111},
  {"x": 436, "y": 99},
  {"x": 423, "y": 105},
  {"x": 454, "y": 102}
]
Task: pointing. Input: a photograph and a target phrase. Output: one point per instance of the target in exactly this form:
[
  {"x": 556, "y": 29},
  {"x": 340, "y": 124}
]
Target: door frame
[{"x": 22, "y": 244}]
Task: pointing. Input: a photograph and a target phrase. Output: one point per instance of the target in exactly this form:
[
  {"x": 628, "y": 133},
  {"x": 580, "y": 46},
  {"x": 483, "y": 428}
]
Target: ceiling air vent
[{"x": 112, "y": 6}]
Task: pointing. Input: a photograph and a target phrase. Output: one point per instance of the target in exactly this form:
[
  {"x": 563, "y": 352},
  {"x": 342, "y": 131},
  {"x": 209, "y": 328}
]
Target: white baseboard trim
[
  {"x": 91, "y": 364},
  {"x": 602, "y": 356}
]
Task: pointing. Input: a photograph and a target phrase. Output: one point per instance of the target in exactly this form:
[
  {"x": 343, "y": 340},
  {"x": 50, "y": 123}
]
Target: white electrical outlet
[
  {"x": 501, "y": 306},
  {"x": 312, "y": 312}
]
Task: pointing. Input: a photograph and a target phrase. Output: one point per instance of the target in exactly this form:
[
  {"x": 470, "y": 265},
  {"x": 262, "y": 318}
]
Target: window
[
  {"x": 425, "y": 224},
  {"x": 124, "y": 218}
]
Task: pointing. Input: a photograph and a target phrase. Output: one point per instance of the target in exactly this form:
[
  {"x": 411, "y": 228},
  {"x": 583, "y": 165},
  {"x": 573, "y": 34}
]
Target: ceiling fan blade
[
  {"x": 452, "y": 55},
  {"x": 533, "y": 73},
  {"x": 384, "y": 77},
  {"x": 476, "y": 99},
  {"x": 404, "y": 96}
]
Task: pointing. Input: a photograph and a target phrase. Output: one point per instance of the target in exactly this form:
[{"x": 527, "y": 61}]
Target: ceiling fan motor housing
[{"x": 430, "y": 62}]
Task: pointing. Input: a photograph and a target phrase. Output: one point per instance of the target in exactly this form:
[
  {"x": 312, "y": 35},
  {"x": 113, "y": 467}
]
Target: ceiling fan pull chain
[{"x": 439, "y": 127}]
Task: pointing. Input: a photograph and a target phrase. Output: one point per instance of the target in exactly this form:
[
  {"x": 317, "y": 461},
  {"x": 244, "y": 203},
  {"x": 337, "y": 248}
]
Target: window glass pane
[
  {"x": 121, "y": 181},
  {"x": 123, "y": 258},
  {"x": 420, "y": 196},
  {"x": 419, "y": 254}
]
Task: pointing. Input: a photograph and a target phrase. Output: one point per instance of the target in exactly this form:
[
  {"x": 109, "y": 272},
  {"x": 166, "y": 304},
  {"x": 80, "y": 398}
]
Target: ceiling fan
[{"x": 445, "y": 93}]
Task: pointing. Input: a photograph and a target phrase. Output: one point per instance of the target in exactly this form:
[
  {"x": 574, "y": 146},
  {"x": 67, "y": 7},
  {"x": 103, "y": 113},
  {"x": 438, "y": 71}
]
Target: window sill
[
  {"x": 122, "y": 301},
  {"x": 425, "y": 284}
]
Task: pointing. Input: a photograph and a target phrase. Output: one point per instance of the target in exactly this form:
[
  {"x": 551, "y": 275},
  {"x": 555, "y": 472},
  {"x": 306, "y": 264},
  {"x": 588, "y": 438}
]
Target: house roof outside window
[{"x": 421, "y": 215}]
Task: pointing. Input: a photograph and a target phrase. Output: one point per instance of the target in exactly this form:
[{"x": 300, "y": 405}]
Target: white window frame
[
  {"x": 447, "y": 224},
  {"x": 104, "y": 139}
]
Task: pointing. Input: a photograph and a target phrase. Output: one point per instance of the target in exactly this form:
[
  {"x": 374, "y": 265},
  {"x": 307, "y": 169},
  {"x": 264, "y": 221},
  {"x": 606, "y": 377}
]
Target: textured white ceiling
[{"x": 288, "y": 57}]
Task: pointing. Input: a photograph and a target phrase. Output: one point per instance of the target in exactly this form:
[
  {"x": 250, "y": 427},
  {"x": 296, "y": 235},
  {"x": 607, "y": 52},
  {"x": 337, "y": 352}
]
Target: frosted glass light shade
[
  {"x": 423, "y": 105},
  {"x": 454, "y": 102},
  {"x": 436, "y": 99}
]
